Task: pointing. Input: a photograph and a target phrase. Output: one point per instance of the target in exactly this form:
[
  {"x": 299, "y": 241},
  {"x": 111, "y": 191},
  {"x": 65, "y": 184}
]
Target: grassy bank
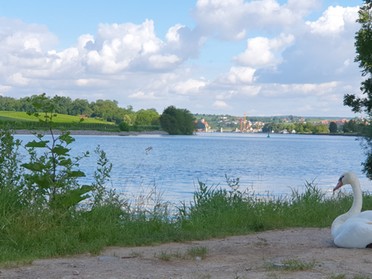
[
  {"x": 29, "y": 233},
  {"x": 59, "y": 118}
]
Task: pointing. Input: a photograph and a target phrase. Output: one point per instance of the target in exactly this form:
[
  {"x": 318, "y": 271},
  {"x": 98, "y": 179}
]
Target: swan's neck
[{"x": 355, "y": 208}]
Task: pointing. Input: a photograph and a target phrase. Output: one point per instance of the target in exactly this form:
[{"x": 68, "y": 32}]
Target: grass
[
  {"x": 30, "y": 233},
  {"x": 194, "y": 253},
  {"x": 343, "y": 276},
  {"x": 61, "y": 118},
  {"x": 292, "y": 265}
]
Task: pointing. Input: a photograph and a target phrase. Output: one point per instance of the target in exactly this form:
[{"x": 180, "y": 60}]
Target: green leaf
[
  {"x": 67, "y": 138},
  {"x": 37, "y": 144},
  {"x": 60, "y": 150},
  {"x": 77, "y": 173},
  {"x": 65, "y": 162},
  {"x": 42, "y": 181},
  {"x": 72, "y": 197},
  {"x": 34, "y": 166}
]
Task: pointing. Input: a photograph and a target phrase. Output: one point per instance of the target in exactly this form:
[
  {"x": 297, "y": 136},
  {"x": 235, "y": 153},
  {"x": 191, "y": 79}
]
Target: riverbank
[{"x": 91, "y": 132}]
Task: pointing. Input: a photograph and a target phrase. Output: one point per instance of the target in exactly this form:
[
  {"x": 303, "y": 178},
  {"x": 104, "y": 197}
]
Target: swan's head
[{"x": 346, "y": 178}]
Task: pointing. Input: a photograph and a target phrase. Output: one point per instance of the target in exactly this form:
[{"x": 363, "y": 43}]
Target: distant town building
[{"x": 202, "y": 125}]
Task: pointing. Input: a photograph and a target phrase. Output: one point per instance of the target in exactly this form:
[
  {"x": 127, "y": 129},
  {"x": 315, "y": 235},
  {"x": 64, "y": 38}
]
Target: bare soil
[{"x": 292, "y": 253}]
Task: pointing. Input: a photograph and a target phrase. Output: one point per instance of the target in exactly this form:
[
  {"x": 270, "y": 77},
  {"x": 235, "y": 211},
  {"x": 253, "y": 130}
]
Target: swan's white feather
[
  {"x": 354, "y": 228},
  {"x": 356, "y": 232}
]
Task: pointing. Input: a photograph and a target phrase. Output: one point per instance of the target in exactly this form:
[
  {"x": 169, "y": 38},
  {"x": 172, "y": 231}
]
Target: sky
[{"x": 236, "y": 57}]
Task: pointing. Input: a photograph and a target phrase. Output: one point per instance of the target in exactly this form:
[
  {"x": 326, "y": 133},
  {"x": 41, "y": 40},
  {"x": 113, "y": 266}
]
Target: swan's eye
[{"x": 341, "y": 178}]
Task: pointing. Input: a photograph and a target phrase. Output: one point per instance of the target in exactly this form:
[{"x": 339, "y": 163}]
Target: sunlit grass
[
  {"x": 61, "y": 118},
  {"x": 29, "y": 233}
]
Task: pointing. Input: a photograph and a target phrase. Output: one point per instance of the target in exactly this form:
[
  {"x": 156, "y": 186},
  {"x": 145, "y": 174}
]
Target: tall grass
[{"x": 29, "y": 233}]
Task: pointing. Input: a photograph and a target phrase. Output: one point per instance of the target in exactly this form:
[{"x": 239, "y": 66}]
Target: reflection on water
[{"x": 175, "y": 164}]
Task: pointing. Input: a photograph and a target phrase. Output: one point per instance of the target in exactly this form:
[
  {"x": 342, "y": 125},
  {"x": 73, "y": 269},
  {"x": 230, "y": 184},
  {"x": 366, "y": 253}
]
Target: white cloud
[
  {"x": 333, "y": 20},
  {"x": 18, "y": 80},
  {"x": 189, "y": 86},
  {"x": 140, "y": 95},
  {"x": 238, "y": 75},
  {"x": 299, "y": 90},
  {"x": 163, "y": 61},
  {"x": 303, "y": 7},
  {"x": 235, "y": 19},
  {"x": 91, "y": 82},
  {"x": 219, "y": 104},
  {"x": 264, "y": 52}
]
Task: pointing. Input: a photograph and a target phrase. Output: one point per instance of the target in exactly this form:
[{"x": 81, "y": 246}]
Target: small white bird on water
[{"x": 353, "y": 229}]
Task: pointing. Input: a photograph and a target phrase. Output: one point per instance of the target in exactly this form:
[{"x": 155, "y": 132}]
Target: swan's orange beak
[{"x": 338, "y": 186}]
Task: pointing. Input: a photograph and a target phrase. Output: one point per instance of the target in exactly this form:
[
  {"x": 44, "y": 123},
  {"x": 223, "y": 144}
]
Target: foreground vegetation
[{"x": 29, "y": 232}]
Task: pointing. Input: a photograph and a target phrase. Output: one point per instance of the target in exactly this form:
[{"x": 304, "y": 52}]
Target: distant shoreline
[
  {"x": 133, "y": 133},
  {"x": 90, "y": 132}
]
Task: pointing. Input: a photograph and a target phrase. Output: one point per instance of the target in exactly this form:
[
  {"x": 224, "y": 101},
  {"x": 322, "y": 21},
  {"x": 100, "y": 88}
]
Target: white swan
[{"x": 354, "y": 228}]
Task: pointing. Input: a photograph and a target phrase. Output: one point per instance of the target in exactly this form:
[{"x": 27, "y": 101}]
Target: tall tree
[
  {"x": 333, "y": 127},
  {"x": 80, "y": 107},
  {"x": 147, "y": 117},
  {"x": 177, "y": 121},
  {"x": 62, "y": 104},
  {"x": 363, "y": 46}
]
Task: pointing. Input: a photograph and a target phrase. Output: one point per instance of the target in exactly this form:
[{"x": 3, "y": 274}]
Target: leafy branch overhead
[{"x": 363, "y": 104}]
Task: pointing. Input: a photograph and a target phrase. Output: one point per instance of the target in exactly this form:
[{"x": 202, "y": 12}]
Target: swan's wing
[
  {"x": 366, "y": 215},
  {"x": 355, "y": 233}
]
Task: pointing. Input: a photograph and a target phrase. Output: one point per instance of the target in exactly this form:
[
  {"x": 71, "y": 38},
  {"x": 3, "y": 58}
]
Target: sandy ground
[{"x": 263, "y": 255}]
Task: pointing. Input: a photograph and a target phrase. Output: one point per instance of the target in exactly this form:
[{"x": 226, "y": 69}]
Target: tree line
[
  {"x": 173, "y": 120},
  {"x": 353, "y": 126},
  {"x": 103, "y": 109}
]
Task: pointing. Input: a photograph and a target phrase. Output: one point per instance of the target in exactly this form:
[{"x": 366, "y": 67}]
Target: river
[{"x": 173, "y": 165}]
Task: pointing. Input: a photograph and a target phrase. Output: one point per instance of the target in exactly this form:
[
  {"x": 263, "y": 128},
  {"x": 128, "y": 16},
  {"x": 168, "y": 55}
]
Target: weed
[
  {"x": 191, "y": 253},
  {"x": 200, "y": 252},
  {"x": 164, "y": 256},
  {"x": 338, "y": 276},
  {"x": 292, "y": 265}
]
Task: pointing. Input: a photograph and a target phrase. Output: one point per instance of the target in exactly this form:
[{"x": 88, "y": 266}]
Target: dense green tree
[
  {"x": 353, "y": 126},
  {"x": 363, "y": 46},
  {"x": 177, "y": 121},
  {"x": 9, "y": 104},
  {"x": 62, "y": 104},
  {"x": 147, "y": 117},
  {"x": 320, "y": 129},
  {"x": 80, "y": 107},
  {"x": 333, "y": 127},
  {"x": 107, "y": 110}
]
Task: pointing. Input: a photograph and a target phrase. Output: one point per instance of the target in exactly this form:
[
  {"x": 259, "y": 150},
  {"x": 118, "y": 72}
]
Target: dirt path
[{"x": 262, "y": 255}]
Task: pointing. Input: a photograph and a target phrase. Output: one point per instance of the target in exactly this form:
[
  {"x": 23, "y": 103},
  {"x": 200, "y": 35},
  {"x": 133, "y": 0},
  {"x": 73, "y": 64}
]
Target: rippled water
[{"x": 175, "y": 164}]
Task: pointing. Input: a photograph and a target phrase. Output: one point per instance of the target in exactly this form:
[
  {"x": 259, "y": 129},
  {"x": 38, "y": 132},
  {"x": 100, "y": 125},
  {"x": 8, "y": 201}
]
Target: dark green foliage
[
  {"x": 11, "y": 175},
  {"x": 53, "y": 175},
  {"x": 177, "y": 121},
  {"x": 363, "y": 43},
  {"x": 11, "y": 178},
  {"x": 333, "y": 127},
  {"x": 123, "y": 126}
]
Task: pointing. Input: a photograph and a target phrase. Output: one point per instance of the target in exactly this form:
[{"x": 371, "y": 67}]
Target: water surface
[{"x": 175, "y": 164}]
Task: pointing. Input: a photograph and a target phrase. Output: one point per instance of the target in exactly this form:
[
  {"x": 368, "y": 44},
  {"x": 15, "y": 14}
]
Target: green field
[{"x": 60, "y": 118}]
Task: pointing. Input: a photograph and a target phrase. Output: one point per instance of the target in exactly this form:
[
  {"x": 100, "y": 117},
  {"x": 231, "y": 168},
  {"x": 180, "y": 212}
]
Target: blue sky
[{"x": 233, "y": 57}]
